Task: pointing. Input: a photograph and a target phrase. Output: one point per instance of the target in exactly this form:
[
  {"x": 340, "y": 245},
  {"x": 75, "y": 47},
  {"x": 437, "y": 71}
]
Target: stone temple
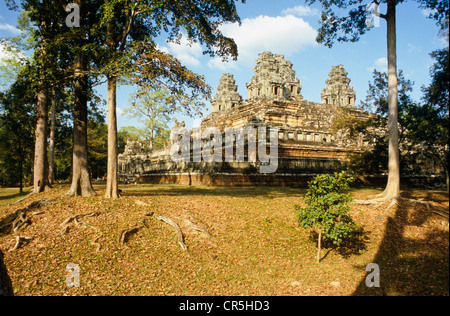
[{"x": 306, "y": 144}]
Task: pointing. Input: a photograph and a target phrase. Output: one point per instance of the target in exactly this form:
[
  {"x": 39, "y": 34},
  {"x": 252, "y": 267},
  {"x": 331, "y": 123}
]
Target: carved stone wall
[{"x": 306, "y": 144}]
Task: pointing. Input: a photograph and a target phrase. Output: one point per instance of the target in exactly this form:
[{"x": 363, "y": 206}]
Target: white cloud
[
  {"x": 380, "y": 64},
  {"x": 413, "y": 48},
  {"x": 300, "y": 11},
  {"x": 187, "y": 53},
  {"x": 217, "y": 63},
  {"x": 281, "y": 35},
  {"x": 427, "y": 12},
  {"x": 162, "y": 49},
  {"x": 8, "y": 27}
]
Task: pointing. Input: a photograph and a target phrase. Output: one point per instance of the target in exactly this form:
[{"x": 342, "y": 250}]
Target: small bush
[{"x": 326, "y": 210}]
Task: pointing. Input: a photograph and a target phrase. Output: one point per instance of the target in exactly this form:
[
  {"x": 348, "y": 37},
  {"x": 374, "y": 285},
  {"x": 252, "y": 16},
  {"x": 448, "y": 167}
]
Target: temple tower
[
  {"x": 227, "y": 96},
  {"x": 338, "y": 91},
  {"x": 274, "y": 78}
]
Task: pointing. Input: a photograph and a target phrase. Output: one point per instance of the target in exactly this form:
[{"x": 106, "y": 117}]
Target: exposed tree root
[
  {"x": 436, "y": 209},
  {"x": 19, "y": 220},
  {"x": 377, "y": 202},
  {"x": 169, "y": 221},
  {"x": 19, "y": 242},
  {"x": 75, "y": 218},
  {"x": 188, "y": 219},
  {"x": 393, "y": 202},
  {"x": 124, "y": 234}
]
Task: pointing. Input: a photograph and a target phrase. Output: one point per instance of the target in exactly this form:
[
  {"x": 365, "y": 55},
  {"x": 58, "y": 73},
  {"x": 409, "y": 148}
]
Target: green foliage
[
  {"x": 430, "y": 122},
  {"x": 153, "y": 108},
  {"x": 410, "y": 116},
  {"x": 16, "y": 130},
  {"x": 327, "y": 208},
  {"x": 345, "y": 20}
]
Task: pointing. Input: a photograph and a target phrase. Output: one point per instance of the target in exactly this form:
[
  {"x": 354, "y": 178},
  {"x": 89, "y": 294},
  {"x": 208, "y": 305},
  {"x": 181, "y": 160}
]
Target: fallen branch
[
  {"x": 169, "y": 221},
  {"x": 64, "y": 231}
]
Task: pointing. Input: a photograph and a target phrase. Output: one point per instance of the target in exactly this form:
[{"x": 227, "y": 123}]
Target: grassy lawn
[
  {"x": 255, "y": 247},
  {"x": 10, "y": 195}
]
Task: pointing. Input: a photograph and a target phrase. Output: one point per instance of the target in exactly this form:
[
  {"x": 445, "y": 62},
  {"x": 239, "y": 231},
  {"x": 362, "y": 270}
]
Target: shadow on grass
[
  {"x": 354, "y": 245},
  {"x": 408, "y": 265},
  {"x": 13, "y": 196},
  {"x": 183, "y": 190}
]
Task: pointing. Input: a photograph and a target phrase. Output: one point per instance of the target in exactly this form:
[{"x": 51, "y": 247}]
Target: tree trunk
[
  {"x": 81, "y": 182},
  {"x": 152, "y": 137},
  {"x": 21, "y": 158},
  {"x": 6, "y": 288},
  {"x": 446, "y": 177},
  {"x": 392, "y": 190},
  {"x": 112, "y": 182},
  {"x": 319, "y": 245},
  {"x": 51, "y": 144},
  {"x": 40, "y": 148}
]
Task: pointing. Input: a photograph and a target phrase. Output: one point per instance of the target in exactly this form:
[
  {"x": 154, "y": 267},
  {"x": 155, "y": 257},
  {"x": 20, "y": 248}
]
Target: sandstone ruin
[{"x": 306, "y": 145}]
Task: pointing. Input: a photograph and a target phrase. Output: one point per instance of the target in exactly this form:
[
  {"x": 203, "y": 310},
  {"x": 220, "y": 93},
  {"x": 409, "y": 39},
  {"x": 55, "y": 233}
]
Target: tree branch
[{"x": 375, "y": 11}]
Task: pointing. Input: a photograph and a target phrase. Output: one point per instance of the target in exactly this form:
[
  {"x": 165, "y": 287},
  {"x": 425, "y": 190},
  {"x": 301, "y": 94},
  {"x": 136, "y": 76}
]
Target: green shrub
[{"x": 326, "y": 210}]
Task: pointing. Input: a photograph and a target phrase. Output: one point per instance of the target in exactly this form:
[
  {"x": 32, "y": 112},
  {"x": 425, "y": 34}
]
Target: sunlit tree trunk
[
  {"x": 392, "y": 190},
  {"x": 40, "y": 168},
  {"x": 112, "y": 190},
  {"x": 112, "y": 181},
  {"x": 81, "y": 182},
  {"x": 51, "y": 144}
]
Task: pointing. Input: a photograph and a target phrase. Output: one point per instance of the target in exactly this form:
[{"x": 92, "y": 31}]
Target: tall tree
[
  {"x": 375, "y": 160},
  {"x": 432, "y": 118},
  {"x": 40, "y": 176},
  {"x": 41, "y": 13},
  {"x": 17, "y": 124},
  {"x": 131, "y": 24},
  {"x": 350, "y": 28},
  {"x": 81, "y": 39},
  {"x": 16, "y": 116},
  {"x": 153, "y": 109}
]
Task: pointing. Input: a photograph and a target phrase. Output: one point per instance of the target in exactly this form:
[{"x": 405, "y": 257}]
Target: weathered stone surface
[
  {"x": 338, "y": 91},
  {"x": 227, "y": 96},
  {"x": 274, "y": 77},
  {"x": 306, "y": 145}
]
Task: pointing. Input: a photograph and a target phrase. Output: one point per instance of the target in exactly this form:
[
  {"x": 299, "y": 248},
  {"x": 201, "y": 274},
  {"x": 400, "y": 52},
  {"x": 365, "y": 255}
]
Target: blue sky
[{"x": 288, "y": 27}]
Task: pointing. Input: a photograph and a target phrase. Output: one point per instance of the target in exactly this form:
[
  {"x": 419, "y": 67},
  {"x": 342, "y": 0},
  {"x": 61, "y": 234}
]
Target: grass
[
  {"x": 11, "y": 195},
  {"x": 256, "y": 247}
]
